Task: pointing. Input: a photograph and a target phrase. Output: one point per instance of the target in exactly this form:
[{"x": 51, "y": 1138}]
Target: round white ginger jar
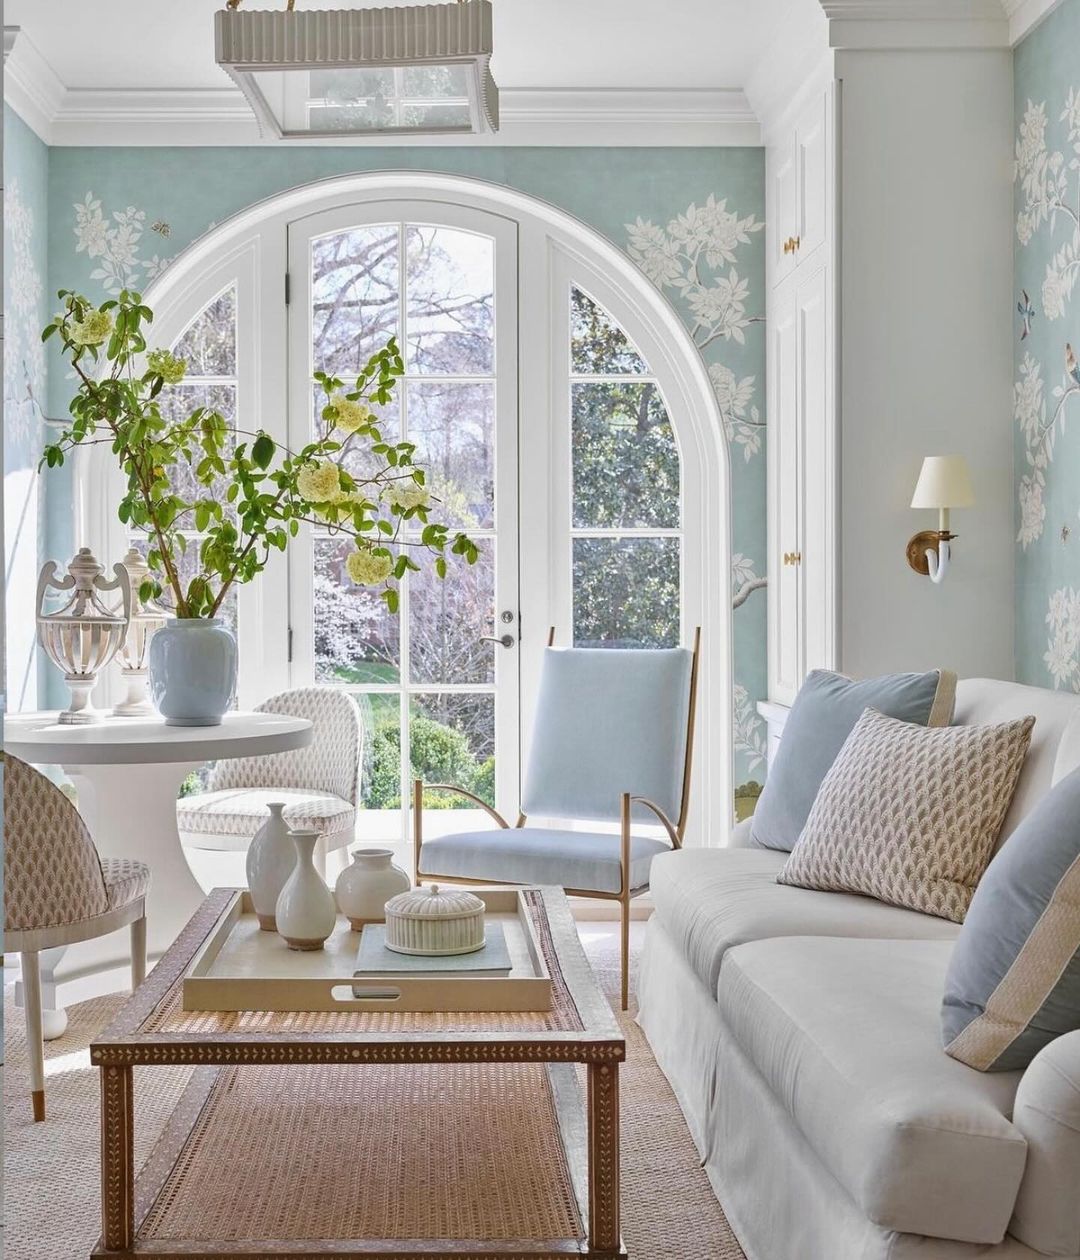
[
  {"x": 434, "y": 921},
  {"x": 365, "y": 886}
]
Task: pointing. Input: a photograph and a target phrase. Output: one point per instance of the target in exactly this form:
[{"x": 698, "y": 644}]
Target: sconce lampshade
[{"x": 943, "y": 483}]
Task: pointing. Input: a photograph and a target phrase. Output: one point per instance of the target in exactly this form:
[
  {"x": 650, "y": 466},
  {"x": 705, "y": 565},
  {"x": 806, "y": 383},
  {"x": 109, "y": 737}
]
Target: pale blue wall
[
  {"x": 1047, "y": 392},
  {"x": 611, "y": 189},
  {"x": 26, "y": 162}
]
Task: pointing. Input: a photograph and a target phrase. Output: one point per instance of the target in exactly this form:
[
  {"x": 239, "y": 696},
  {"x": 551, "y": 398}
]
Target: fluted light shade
[
  {"x": 943, "y": 483},
  {"x": 411, "y": 70}
]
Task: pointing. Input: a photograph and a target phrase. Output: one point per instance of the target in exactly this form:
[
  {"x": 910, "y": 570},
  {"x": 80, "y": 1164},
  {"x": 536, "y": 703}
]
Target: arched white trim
[{"x": 254, "y": 241}]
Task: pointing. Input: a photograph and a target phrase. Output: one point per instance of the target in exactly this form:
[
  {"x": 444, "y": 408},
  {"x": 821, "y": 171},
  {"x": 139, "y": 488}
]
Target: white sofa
[{"x": 800, "y": 1032}]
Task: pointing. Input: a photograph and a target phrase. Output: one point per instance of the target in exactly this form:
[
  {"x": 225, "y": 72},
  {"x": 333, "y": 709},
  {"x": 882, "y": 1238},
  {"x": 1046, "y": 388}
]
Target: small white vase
[
  {"x": 364, "y": 887},
  {"x": 305, "y": 914},
  {"x": 271, "y": 858}
]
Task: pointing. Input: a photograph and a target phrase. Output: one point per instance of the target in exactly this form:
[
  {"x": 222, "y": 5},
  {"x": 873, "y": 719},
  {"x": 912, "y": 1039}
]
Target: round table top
[{"x": 39, "y": 737}]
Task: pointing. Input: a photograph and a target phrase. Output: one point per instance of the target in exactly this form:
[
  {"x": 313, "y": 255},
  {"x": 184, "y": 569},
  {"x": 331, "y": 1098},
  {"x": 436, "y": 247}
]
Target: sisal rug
[{"x": 51, "y": 1169}]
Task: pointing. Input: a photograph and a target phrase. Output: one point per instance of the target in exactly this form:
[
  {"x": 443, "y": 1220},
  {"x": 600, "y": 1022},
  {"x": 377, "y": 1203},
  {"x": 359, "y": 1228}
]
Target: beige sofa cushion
[
  {"x": 711, "y": 899},
  {"x": 909, "y": 815},
  {"x": 845, "y": 1033}
]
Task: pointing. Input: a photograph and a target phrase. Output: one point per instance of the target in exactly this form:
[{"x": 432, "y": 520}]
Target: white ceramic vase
[
  {"x": 365, "y": 886},
  {"x": 271, "y": 857},
  {"x": 305, "y": 914}
]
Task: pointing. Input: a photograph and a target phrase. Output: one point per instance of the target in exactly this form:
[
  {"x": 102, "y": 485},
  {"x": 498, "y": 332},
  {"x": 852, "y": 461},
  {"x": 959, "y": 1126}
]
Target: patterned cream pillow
[{"x": 909, "y": 814}]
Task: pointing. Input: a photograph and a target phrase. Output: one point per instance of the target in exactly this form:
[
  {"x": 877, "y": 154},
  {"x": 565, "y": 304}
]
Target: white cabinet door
[
  {"x": 811, "y": 150},
  {"x": 784, "y": 499},
  {"x": 816, "y": 566},
  {"x": 782, "y": 211}
]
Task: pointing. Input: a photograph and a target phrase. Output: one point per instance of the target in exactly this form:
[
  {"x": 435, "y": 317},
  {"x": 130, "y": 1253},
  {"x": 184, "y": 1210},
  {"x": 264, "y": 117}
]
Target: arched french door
[{"x": 569, "y": 425}]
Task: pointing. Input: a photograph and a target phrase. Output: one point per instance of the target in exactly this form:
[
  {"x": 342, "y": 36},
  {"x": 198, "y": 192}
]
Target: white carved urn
[
  {"x": 365, "y": 886},
  {"x": 305, "y": 914},
  {"x": 271, "y": 857}
]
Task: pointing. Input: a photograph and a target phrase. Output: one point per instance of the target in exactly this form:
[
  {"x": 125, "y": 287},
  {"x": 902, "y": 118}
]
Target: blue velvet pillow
[
  {"x": 823, "y": 716},
  {"x": 1013, "y": 983}
]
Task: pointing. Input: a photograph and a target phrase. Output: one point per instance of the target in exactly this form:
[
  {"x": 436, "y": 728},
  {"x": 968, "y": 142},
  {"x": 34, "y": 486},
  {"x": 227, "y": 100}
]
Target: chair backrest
[
  {"x": 330, "y": 763},
  {"x": 52, "y": 873},
  {"x": 609, "y": 721}
]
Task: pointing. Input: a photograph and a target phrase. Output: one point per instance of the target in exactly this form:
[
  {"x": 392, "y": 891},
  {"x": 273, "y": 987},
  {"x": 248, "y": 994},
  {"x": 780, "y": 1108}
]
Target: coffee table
[{"x": 365, "y": 1134}]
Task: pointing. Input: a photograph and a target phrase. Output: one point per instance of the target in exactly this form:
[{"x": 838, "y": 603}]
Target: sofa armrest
[{"x": 1047, "y": 1113}]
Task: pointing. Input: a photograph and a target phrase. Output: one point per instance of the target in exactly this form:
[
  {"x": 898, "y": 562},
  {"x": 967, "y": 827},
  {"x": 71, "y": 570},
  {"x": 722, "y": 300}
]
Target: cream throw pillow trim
[{"x": 909, "y": 814}]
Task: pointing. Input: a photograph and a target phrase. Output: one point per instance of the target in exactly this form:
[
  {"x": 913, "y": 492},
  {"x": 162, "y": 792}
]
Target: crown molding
[
  {"x": 1025, "y": 15},
  {"x": 529, "y": 116},
  {"x": 912, "y": 24},
  {"x": 31, "y": 86}
]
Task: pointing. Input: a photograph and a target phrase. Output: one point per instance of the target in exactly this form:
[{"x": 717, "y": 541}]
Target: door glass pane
[
  {"x": 450, "y": 288},
  {"x": 447, "y": 619},
  {"x": 355, "y": 298},
  {"x": 598, "y": 346},
  {"x": 452, "y": 740},
  {"x": 626, "y": 463},
  {"x": 626, "y": 592},
  {"x": 356, "y": 639},
  {"x": 453, "y": 426}
]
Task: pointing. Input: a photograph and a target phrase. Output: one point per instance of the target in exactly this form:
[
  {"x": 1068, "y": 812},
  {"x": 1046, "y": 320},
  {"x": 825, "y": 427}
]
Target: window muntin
[{"x": 625, "y": 504}]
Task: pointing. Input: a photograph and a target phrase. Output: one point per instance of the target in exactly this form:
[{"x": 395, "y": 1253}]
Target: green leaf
[{"x": 262, "y": 452}]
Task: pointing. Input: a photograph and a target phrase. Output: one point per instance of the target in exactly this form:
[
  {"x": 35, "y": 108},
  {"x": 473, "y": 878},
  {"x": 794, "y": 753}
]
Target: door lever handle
[{"x": 504, "y": 640}]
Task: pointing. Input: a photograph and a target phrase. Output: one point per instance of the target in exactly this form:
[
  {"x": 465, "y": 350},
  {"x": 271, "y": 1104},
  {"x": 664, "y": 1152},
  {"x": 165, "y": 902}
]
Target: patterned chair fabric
[
  {"x": 52, "y": 873},
  {"x": 320, "y": 783}
]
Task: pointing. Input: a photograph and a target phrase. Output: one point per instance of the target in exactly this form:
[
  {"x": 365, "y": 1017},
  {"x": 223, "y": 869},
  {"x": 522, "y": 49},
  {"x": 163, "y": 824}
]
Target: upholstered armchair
[
  {"x": 320, "y": 784},
  {"x": 57, "y": 891},
  {"x": 612, "y": 743}
]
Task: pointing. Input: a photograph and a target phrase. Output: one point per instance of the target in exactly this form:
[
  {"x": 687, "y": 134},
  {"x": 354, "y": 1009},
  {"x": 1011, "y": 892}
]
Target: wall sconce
[{"x": 944, "y": 483}]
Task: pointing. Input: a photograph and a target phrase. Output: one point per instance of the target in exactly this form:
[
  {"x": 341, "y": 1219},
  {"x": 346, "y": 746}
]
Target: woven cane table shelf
[{"x": 392, "y": 1134}]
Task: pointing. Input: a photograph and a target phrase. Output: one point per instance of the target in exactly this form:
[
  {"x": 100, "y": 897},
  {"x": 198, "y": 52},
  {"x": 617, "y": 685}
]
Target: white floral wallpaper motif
[
  {"x": 114, "y": 241},
  {"x": 1046, "y": 393}
]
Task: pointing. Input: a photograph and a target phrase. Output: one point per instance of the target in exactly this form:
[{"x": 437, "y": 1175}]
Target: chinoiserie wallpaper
[
  {"x": 25, "y": 310},
  {"x": 1046, "y": 401},
  {"x": 691, "y": 218}
]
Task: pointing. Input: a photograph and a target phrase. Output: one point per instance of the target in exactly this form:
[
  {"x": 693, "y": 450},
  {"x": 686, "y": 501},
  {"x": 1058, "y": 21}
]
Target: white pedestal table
[{"x": 127, "y": 772}]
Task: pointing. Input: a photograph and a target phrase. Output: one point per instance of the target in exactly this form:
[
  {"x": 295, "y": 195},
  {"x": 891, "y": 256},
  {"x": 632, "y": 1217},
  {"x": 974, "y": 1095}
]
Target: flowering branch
[{"x": 272, "y": 490}]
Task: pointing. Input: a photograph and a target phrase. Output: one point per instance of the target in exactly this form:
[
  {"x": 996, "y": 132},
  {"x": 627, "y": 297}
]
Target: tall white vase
[
  {"x": 271, "y": 858},
  {"x": 305, "y": 913}
]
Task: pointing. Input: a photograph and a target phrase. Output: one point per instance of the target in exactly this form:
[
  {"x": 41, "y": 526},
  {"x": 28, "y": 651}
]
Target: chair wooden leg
[
  {"x": 625, "y": 926},
  {"x": 35, "y": 1048},
  {"x": 138, "y": 952}
]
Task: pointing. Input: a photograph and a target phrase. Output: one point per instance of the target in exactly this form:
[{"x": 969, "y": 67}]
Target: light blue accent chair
[{"x": 612, "y": 743}]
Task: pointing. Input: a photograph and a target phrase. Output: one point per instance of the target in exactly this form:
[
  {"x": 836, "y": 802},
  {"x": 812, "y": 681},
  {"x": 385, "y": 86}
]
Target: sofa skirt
[{"x": 779, "y": 1198}]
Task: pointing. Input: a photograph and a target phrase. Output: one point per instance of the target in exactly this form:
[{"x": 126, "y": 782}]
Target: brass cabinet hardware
[
  {"x": 792, "y": 244},
  {"x": 793, "y": 557}
]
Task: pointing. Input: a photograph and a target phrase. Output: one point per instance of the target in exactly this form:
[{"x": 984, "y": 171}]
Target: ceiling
[{"x": 630, "y": 44}]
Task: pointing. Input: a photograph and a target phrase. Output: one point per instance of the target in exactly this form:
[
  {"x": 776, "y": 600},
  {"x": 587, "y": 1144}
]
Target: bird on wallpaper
[
  {"x": 1071, "y": 365},
  {"x": 1027, "y": 312}
]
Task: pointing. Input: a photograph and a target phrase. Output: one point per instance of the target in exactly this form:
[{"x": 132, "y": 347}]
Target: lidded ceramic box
[{"x": 432, "y": 921}]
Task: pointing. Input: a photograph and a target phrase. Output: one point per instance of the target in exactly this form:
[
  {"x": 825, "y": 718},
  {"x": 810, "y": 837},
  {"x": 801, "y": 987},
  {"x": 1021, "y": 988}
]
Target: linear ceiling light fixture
[{"x": 420, "y": 70}]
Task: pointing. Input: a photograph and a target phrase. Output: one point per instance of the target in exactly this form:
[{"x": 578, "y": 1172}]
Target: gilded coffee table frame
[{"x": 590, "y": 1144}]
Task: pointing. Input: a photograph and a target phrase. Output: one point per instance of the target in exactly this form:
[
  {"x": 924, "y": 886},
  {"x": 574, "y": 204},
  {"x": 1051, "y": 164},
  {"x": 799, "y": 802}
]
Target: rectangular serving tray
[{"x": 241, "y": 968}]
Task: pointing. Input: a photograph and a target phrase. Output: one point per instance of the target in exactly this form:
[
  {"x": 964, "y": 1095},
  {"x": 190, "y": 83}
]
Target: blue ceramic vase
[{"x": 193, "y": 670}]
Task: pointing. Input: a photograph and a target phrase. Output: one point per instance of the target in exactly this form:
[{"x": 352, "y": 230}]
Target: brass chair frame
[{"x": 675, "y": 830}]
